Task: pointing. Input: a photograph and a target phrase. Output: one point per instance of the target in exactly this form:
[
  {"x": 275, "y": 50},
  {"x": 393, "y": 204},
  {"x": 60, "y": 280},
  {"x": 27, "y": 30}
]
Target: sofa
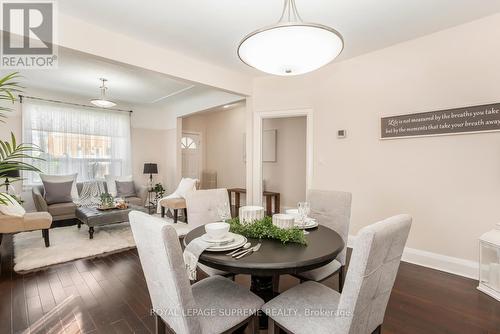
[{"x": 62, "y": 211}]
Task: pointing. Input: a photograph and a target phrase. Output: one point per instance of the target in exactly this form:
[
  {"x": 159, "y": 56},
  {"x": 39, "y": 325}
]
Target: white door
[{"x": 191, "y": 155}]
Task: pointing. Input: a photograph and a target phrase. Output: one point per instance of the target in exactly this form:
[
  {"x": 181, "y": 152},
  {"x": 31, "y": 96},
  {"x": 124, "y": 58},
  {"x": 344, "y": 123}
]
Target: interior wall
[
  {"x": 150, "y": 146},
  {"x": 288, "y": 174},
  {"x": 449, "y": 184},
  {"x": 223, "y": 143}
]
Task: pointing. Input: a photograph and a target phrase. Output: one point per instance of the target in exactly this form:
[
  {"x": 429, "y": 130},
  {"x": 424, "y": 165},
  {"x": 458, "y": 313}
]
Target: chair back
[
  {"x": 166, "y": 277},
  {"x": 203, "y": 206},
  {"x": 332, "y": 209},
  {"x": 372, "y": 271}
]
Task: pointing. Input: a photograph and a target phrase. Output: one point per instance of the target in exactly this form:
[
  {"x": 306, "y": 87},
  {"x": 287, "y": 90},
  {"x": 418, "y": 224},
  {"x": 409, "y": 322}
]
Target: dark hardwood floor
[{"x": 109, "y": 295}]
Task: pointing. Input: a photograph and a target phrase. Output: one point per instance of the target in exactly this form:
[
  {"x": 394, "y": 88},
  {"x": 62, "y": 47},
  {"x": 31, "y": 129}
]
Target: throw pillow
[
  {"x": 58, "y": 192},
  {"x": 63, "y": 178},
  {"x": 125, "y": 189},
  {"x": 111, "y": 182},
  {"x": 12, "y": 207},
  {"x": 186, "y": 186}
]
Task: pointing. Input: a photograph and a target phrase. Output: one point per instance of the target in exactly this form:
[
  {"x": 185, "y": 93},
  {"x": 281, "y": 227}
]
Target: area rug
[{"x": 67, "y": 244}]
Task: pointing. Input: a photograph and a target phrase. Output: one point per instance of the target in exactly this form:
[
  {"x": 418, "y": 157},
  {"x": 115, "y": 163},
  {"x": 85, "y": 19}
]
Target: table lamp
[
  {"x": 150, "y": 168},
  {"x": 12, "y": 174}
]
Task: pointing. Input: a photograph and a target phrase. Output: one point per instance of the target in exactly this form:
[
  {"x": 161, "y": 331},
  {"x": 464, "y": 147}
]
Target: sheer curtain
[{"x": 87, "y": 141}]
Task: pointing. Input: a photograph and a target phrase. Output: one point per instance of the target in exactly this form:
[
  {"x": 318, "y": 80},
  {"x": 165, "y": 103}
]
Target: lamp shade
[
  {"x": 150, "y": 168},
  {"x": 11, "y": 173}
]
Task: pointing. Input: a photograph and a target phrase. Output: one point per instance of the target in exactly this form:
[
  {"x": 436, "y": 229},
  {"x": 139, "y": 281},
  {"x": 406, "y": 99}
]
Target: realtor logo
[{"x": 28, "y": 35}]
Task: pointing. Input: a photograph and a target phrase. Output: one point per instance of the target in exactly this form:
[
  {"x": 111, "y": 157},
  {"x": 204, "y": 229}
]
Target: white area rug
[{"x": 68, "y": 243}]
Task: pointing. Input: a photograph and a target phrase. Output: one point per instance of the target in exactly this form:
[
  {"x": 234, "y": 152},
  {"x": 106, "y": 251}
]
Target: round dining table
[{"x": 275, "y": 258}]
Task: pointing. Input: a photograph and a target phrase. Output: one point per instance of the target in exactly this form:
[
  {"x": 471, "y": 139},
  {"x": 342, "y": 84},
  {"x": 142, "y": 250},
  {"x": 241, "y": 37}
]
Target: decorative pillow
[
  {"x": 125, "y": 189},
  {"x": 186, "y": 186},
  {"x": 12, "y": 207},
  {"x": 63, "y": 178},
  {"x": 58, "y": 192},
  {"x": 111, "y": 182}
]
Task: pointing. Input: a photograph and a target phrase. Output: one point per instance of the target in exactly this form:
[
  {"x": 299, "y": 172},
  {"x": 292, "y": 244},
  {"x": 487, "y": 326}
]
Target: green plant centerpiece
[
  {"x": 264, "y": 229},
  {"x": 12, "y": 154},
  {"x": 107, "y": 201}
]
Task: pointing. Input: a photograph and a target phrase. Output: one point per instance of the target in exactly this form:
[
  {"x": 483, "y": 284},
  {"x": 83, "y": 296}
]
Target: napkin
[{"x": 191, "y": 255}]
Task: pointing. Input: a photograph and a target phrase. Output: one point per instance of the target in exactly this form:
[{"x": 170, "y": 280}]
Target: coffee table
[{"x": 93, "y": 217}]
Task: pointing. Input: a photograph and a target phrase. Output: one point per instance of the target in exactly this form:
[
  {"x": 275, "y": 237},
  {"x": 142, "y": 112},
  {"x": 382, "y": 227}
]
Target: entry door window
[{"x": 191, "y": 155}]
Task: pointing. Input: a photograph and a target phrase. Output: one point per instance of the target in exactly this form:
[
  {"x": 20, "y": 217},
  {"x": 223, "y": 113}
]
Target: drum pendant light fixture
[{"x": 291, "y": 46}]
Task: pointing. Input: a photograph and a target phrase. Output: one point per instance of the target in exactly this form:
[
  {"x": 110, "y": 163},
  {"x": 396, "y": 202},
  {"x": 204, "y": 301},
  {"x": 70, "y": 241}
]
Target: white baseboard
[{"x": 449, "y": 264}]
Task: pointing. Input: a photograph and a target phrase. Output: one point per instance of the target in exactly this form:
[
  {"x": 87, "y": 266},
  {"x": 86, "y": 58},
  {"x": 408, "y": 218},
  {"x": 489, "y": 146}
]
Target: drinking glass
[
  {"x": 224, "y": 211},
  {"x": 304, "y": 209}
]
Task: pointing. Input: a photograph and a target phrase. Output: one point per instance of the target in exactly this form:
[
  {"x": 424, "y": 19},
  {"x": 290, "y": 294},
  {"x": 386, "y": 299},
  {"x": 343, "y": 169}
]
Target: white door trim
[{"x": 257, "y": 147}]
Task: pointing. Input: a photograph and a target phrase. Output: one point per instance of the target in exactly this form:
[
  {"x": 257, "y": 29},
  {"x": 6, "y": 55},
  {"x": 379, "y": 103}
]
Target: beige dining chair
[
  {"x": 361, "y": 307},
  {"x": 331, "y": 209},
  {"x": 203, "y": 207},
  {"x": 213, "y": 305}
]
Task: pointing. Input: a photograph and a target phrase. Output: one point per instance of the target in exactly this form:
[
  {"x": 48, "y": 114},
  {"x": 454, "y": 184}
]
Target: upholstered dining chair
[
  {"x": 332, "y": 209},
  {"x": 213, "y": 305},
  {"x": 203, "y": 208},
  {"x": 361, "y": 307}
]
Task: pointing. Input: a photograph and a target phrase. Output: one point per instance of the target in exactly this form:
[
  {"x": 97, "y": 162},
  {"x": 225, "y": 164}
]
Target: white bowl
[{"x": 217, "y": 230}]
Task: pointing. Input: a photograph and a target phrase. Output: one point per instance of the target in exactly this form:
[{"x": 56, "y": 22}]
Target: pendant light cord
[{"x": 290, "y": 12}]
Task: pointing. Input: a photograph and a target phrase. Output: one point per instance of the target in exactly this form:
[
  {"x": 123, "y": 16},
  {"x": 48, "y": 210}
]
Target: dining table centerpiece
[{"x": 265, "y": 229}]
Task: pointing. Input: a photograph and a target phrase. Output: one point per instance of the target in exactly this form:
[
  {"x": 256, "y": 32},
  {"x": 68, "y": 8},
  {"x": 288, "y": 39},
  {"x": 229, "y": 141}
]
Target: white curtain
[{"x": 74, "y": 139}]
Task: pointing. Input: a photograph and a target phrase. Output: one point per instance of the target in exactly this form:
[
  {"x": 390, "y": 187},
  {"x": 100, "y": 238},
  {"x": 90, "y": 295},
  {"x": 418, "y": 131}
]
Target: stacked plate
[
  {"x": 309, "y": 222},
  {"x": 228, "y": 242}
]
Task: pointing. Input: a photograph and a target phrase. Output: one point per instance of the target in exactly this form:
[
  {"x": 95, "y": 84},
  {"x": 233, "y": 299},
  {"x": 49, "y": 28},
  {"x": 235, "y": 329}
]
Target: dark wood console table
[{"x": 269, "y": 195}]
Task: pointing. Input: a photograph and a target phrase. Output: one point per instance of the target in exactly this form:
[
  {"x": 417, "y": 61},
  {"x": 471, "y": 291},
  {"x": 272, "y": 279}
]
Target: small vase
[
  {"x": 283, "y": 220},
  {"x": 248, "y": 214}
]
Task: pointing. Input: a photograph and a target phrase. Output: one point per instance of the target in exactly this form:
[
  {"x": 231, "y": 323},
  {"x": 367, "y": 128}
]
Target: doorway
[
  {"x": 284, "y": 142},
  {"x": 191, "y": 154},
  {"x": 258, "y": 154}
]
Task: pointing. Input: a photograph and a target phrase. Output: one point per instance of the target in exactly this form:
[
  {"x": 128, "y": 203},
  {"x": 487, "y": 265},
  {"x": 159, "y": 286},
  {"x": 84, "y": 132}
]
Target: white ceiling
[
  {"x": 78, "y": 76},
  {"x": 211, "y": 30}
]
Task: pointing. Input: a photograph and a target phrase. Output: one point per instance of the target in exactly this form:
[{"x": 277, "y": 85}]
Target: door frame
[
  {"x": 202, "y": 162},
  {"x": 257, "y": 147}
]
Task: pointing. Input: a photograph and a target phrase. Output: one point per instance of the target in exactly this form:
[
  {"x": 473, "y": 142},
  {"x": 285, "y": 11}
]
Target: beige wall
[
  {"x": 288, "y": 174},
  {"x": 450, "y": 184},
  {"x": 222, "y": 141},
  {"x": 149, "y": 146}
]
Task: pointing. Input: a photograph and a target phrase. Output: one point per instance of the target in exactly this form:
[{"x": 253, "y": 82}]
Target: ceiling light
[
  {"x": 291, "y": 46},
  {"x": 226, "y": 106},
  {"x": 102, "y": 102}
]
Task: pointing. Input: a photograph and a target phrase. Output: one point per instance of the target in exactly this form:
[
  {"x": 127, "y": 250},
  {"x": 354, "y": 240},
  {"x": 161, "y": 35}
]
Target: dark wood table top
[
  {"x": 244, "y": 191},
  {"x": 273, "y": 257}
]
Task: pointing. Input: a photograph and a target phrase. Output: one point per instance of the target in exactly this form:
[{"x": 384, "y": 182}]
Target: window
[
  {"x": 90, "y": 142},
  {"x": 188, "y": 143}
]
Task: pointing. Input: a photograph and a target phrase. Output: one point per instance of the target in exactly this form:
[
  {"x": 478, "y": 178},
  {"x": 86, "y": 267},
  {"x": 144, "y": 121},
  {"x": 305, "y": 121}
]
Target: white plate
[
  {"x": 310, "y": 223},
  {"x": 228, "y": 237},
  {"x": 239, "y": 241}
]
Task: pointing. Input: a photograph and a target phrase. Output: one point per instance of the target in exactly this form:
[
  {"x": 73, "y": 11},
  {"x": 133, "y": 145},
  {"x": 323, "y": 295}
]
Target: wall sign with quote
[{"x": 444, "y": 122}]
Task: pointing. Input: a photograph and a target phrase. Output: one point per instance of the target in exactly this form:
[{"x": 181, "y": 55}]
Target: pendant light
[
  {"x": 102, "y": 102},
  {"x": 291, "y": 46}
]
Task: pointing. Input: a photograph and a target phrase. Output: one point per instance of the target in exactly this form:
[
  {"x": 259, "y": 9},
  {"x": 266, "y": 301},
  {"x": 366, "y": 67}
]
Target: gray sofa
[{"x": 62, "y": 211}]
